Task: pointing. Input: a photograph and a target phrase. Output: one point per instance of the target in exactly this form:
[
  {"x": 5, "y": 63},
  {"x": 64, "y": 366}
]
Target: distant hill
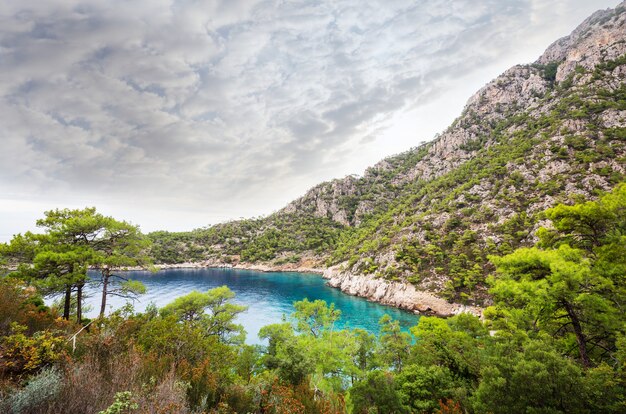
[{"x": 539, "y": 134}]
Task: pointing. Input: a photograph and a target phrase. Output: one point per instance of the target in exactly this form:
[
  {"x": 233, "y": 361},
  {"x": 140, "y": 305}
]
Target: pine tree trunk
[
  {"x": 106, "y": 273},
  {"x": 68, "y": 301},
  {"x": 580, "y": 336},
  {"x": 79, "y": 302}
]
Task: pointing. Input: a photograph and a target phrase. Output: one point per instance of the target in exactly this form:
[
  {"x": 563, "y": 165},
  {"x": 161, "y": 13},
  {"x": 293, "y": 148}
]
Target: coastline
[
  {"x": 396, "y": 294},
  {"x": 288, "y": 267}
]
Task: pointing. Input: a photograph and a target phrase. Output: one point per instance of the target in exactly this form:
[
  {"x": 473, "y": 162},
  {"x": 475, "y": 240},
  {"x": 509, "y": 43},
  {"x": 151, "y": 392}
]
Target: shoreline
[
  {"x": 395, "y": 294},
  {"x": 221, "y": 265}
]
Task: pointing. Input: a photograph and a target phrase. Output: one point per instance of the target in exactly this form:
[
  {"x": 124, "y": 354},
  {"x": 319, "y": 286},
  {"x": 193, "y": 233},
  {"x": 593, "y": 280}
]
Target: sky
[{"x": 176, "y": 114}]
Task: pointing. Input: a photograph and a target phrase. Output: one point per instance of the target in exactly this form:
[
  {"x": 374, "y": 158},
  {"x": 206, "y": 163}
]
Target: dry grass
[{"x": 89, "y": 386}]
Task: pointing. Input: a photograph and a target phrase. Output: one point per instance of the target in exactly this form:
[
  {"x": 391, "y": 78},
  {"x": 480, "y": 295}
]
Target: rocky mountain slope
[{"x": 418, "y": 227}]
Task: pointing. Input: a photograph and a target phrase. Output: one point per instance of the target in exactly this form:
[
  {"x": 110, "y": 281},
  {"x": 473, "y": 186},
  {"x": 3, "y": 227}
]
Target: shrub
[
  {"x": 26, "y": 354},
  {"x": 123, "y": 404},
  {"x": 42, "y": 387}
]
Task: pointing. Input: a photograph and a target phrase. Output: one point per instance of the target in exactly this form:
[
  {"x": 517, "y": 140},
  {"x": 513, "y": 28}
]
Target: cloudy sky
[{"x": 175, "y": 114}]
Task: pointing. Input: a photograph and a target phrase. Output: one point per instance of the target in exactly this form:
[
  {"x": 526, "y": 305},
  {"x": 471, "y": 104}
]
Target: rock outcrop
[
  {"x": 599, "y": 38},
  {"x": 398, "y": 294},
  {"x": 324, "y": 201}
]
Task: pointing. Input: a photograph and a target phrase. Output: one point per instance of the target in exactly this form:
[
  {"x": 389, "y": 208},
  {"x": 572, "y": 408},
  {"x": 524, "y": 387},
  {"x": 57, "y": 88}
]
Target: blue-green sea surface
[{"x": 268, "y": 295}]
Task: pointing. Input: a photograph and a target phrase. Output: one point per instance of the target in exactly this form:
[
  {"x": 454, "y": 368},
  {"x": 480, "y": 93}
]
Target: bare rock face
[
  {"x": 599, "y": 38},
  {"x": 324, "y": 200},
  {"x": 400, "y": 295},
  {"x": 520, "y": 85}
]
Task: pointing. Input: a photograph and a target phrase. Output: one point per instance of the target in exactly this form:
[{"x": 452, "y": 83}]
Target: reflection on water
[{"x": 268, "y": 295}]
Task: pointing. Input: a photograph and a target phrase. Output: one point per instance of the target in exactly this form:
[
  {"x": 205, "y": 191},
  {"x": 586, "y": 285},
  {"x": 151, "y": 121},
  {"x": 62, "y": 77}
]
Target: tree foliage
[
  {"x": 572, "y": 286},
  {"x": 73, "y": 241},
  {"x": 212, "y": 311}
]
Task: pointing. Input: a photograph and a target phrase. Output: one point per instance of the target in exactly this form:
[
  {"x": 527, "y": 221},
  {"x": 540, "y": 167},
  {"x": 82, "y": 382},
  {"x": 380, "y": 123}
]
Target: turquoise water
[{"x": 268, "y": 295}]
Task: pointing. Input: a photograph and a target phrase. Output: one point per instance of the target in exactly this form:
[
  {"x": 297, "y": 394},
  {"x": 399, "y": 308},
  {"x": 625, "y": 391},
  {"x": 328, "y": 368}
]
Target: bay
[{"x": 268, "y": 295}]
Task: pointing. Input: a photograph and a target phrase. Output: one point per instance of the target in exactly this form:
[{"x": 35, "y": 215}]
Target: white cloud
[{"x": 220, "y": 109}]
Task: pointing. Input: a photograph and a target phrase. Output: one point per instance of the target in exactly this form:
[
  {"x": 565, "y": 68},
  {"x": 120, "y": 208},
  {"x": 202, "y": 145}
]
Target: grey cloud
[{"x": 222, "y": 101}]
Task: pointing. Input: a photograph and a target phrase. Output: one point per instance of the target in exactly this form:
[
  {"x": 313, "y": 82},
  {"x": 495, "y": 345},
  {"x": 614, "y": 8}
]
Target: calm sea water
[{"x": 268, "y": 295}]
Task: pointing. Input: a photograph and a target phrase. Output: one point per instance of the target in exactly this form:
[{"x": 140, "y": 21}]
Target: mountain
[{"x": 416, "y": 229}]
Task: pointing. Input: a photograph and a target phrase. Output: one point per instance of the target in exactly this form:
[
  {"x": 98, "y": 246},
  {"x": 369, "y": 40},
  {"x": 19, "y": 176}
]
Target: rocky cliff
[{"x": 398, "y": 294}]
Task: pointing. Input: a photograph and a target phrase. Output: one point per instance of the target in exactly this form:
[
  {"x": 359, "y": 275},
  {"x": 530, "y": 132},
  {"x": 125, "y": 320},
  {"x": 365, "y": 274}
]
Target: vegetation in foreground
[{"x": 554, "y": 341}]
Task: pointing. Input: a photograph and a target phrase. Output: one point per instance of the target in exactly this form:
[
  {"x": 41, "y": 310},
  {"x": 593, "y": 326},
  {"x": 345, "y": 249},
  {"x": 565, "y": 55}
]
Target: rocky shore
[{"x": 396, "y": 294}]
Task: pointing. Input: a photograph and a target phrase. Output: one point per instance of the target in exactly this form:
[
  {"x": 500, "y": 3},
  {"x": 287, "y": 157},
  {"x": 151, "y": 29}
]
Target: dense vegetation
[
  {"x": 281, "y": 238},
  {"x": 554, "y": 341}
]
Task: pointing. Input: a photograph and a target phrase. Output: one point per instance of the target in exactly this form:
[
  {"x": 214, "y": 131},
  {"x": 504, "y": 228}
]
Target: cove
[{"x": 268, "y": 295}]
